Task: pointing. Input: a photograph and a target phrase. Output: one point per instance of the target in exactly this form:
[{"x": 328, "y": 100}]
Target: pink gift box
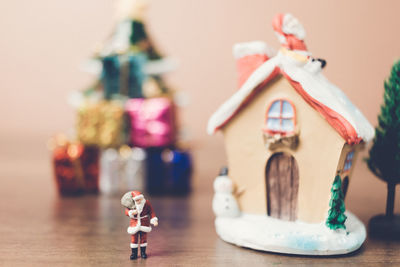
[{"x": 152, "y": 122}]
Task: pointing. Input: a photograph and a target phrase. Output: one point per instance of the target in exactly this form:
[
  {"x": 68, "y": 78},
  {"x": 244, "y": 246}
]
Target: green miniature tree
[
  {"x": 384, "y": 155},
  {"x": 141, "y": 39},
  {"x": 138, "y": 32},
  {"x": 336, "y": 216}
]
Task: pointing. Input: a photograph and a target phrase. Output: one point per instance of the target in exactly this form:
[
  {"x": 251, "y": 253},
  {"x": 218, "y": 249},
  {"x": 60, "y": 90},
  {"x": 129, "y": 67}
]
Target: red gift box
[{"x": 76, "y": 167}]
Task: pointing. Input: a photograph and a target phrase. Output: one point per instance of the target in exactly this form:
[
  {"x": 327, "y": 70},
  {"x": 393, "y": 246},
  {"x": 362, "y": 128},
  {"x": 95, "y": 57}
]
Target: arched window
[
  {"x": 281, "y": 117},
  {"x": 349, "y": 161}
]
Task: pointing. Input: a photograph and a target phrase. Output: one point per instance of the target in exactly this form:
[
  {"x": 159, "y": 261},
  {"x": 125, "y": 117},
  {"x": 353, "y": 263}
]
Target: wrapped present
[
  {"x": 155, "y": 171},
  {"x": 90, "y": 168},
  {"x": 76, "y": 167},
  {"x": 111, "y": 75},
  {"x": 168, "y": 171},
  {"x": 151, "y": 122},
  {"x": 102, "y": 124},
  {"x": 122, "y": 170},
  {"x": 135, "y": 65},
  {"x": 123, "y": 75},
  {"x": 179, "y": 167}
]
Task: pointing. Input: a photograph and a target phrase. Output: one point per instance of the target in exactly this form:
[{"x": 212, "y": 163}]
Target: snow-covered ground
[{"x": 261, "y": 232}]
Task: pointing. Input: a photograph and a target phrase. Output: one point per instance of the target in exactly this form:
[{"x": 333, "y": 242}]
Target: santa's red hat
[
  {"x": 137, "y": 195},
  {"x": 290, "y": 32}
]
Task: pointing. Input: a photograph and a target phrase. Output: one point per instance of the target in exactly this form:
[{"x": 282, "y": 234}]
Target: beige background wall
[{"x": 43, "y": 42}]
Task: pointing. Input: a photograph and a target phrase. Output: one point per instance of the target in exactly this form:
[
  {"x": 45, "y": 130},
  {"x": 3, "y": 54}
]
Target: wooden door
[{"x": 282, "y": 180}]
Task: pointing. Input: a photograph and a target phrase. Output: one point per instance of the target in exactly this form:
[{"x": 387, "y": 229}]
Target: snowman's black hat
[{"x": 223, "y": 171}]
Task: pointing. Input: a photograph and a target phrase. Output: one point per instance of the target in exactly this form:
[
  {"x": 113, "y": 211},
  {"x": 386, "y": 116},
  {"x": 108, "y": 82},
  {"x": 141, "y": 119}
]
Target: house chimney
[{"x": 249, "y": 56}]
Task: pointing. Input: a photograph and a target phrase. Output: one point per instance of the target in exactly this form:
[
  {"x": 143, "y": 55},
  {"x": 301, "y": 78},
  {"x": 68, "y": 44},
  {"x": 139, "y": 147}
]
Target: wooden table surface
[{"x": 37, "y": 227}]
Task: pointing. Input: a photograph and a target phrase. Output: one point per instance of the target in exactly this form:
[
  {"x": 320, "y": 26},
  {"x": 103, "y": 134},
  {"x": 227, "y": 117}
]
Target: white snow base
[{"x": 264, "y": 233}]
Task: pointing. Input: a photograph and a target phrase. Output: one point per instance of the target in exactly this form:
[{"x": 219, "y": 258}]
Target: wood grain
[{"x": 38, "y": 228}]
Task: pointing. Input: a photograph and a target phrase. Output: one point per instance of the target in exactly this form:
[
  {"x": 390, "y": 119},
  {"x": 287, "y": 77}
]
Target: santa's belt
[{"x": 135, "y": 217}]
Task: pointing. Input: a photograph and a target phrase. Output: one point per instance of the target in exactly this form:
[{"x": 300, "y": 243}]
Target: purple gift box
[{"x": 152, "y": 122}]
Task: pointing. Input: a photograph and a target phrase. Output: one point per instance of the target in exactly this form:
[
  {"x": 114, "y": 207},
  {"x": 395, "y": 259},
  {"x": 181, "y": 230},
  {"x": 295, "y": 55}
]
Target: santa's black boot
[
  {"x": 134, "y": 253},
  {"x": 143, "y": 252}
]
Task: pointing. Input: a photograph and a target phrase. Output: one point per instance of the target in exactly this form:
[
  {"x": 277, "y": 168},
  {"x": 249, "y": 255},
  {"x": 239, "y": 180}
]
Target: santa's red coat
[{"x": 141, "y": 222}]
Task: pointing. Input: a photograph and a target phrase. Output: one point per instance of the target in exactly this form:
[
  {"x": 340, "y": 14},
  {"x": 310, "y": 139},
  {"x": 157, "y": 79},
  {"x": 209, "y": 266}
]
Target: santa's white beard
[{"x": 139, "y": 207}]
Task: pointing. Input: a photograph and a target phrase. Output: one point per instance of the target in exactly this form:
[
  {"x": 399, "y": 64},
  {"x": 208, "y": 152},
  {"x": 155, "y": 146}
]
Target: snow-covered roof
[
  {"x": 250, "y": 48},
  {"x": 311, "y": 84}
]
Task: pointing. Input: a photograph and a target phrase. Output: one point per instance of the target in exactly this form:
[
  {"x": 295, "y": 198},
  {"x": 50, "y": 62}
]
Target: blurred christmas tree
[
  {"x": 131, "y": 65},
  {"x": 129, "y": 114},
  {"x": 336, "y": 217}
]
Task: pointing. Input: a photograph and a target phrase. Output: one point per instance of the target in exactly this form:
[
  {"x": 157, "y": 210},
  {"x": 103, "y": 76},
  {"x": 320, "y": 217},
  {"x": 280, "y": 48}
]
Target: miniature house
[{"x": 287, "y": 130}]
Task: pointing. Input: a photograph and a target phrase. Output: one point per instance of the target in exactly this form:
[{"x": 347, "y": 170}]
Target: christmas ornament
[
  {"x": 101, "y": 124},
  {"x": 75, "y": 166},
  {"x": 291, "y": 139},
  {"x": 224, "y": 203},
  {"x": 336, "y": 217},
  {"x": 129, "y": 108},
  {"x": 168, "y": 171},
  {"x": 152, "y": 122},
  {"x": 141, "y": 216},
  {"x": 122, "y": 169},
  {"x": 123, "y": 75}
]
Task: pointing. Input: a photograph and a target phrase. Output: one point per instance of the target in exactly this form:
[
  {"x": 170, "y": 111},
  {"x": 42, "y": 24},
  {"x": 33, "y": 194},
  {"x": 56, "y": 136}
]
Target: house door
[{"x": 282, "y": 180}]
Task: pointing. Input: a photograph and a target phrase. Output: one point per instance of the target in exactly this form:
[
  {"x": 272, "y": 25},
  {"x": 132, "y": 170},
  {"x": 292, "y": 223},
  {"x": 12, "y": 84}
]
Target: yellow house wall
[
  {"x": 317, "y": 155},
  {"x": 346, "y": 149}
]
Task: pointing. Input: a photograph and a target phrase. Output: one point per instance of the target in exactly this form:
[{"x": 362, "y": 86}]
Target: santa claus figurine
[
  {"x": 142, "y": 215},
  {"x": 290, "y": 33}
]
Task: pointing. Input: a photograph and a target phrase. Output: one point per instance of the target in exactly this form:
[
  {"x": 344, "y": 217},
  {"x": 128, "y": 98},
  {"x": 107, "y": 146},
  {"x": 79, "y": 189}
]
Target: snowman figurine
[{"x": 224, "y": 203}]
